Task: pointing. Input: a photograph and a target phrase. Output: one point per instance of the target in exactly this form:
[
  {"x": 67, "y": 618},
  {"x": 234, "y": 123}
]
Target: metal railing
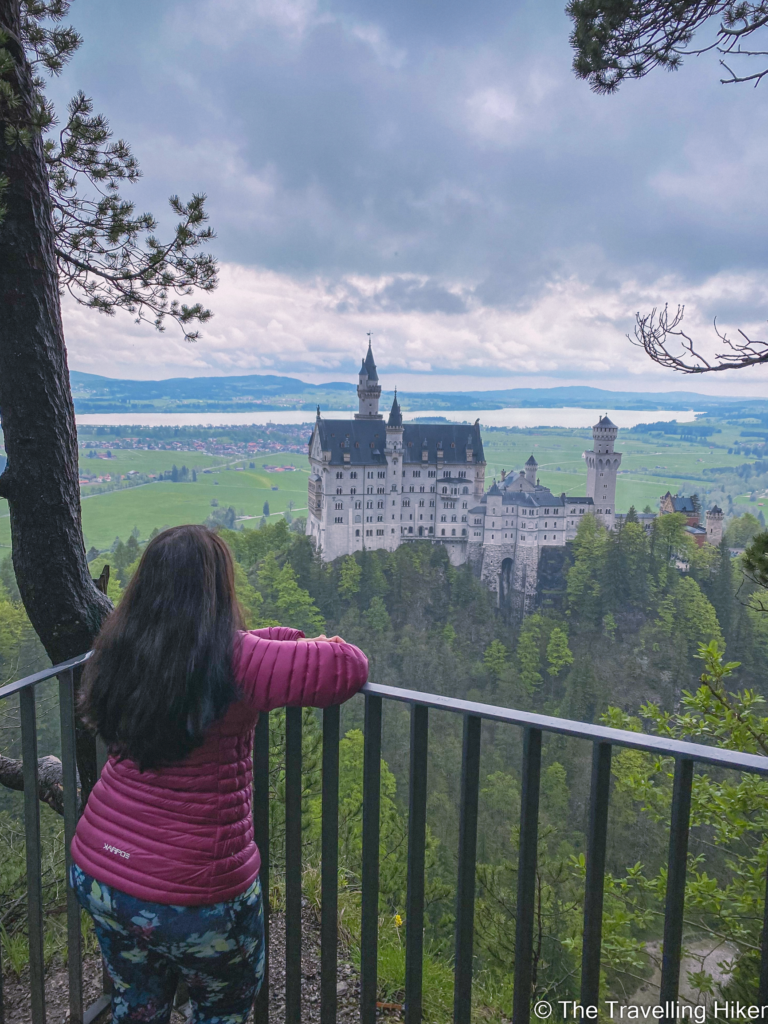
[{"x": 603, "y": 740}]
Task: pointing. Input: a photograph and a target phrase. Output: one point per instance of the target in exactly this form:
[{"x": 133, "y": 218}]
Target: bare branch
[
  {"x": 666, "y": 343},
  {"x": 49, "y": 773}
]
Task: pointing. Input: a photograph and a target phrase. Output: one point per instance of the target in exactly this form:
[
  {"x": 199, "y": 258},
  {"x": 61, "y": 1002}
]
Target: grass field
[
  {"x": 116, "y": 513},
  {"x": 649, "y": 467}
]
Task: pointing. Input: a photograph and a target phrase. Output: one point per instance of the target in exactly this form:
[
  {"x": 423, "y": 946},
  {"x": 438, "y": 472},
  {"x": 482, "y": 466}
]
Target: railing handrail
[
  {"x": 39, "y": 677},
  {"x": 699, "y": 752},
  {"x": 602, "y": 739}
]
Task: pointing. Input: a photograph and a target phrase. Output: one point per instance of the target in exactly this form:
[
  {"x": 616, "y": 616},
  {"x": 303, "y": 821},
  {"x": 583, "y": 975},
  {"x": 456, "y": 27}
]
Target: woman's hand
[{"x": 328, "y": 639}]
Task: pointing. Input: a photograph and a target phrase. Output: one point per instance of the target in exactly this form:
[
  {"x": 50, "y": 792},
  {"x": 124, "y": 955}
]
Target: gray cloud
[{"x": 443, "y": 147}]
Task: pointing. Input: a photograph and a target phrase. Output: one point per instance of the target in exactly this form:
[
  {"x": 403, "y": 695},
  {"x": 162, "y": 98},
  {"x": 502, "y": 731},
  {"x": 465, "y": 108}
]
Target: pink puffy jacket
[{"x": 183, "y": 835}]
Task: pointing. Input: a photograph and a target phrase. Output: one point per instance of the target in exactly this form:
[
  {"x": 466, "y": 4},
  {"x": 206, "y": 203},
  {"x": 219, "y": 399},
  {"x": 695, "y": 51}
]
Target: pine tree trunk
[{"x": 41, "y": 477}]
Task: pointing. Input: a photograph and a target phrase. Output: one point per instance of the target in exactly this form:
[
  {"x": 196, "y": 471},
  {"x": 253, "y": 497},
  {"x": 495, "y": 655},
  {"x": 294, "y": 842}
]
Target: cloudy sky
[{"x": 431, "y": 172}]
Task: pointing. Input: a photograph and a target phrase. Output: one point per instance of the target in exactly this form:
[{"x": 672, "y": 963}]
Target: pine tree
[
  {"x": 265, "y": 509},
  {"x": 64, "y": 224}
]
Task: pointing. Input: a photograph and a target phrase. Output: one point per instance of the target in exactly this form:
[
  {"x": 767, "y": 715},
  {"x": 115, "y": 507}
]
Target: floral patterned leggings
[{"x": 218, "y": 950}]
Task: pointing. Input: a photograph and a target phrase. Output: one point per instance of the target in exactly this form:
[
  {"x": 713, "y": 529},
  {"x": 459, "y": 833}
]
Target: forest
[{"x": 640, "y": 630}]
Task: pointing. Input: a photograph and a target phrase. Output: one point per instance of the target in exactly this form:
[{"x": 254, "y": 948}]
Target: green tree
[
  {"x": 741, "y": 530},
  {"x": 265, "y": 509},
  {"x": 495, "y": 658},
  {"x": 349, "y": 577},
  {"x": 558, "y": 652}
]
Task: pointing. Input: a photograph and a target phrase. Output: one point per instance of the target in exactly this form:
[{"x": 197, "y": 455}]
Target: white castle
[{"x": 375, "y": 485}]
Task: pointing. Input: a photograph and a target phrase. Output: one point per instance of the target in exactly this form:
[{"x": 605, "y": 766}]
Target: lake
[{"x": 566, "y": 417}]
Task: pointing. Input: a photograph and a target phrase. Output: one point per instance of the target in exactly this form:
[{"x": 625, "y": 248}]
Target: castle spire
[
  {"x": 368, "y": 388},
  {"x": 395, "y": 421}
]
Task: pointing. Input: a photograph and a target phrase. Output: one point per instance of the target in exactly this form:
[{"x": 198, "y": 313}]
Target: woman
[{"x": 164, "y": 857}]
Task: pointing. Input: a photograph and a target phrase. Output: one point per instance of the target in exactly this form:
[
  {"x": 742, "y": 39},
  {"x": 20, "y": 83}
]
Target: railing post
[
  {"x": 71, "y": 809},
  {"x": 417, "y": 831},
  {"x": 676, "y": 870},
  {"x": 329, "y": 881},
  {"x": 465, "y": 889},
  {"x": 762, "y": 989},
  {"x": 33, "y": 852},
  {"x": 526, "y": 876},
  {"x": 369, "y": 924},
  {"x": 261, "y": 837},
  {"x": 593, "y": 894},
  {"x": 293, "y": 729}
]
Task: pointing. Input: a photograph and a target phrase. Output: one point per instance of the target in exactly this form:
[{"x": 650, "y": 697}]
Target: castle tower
[
  {"x": 368, "y": 389},
  {"x": 602, "y": 468},
  {"x": 530, "y": 470},
  {"x": 395, "y": 428},
  {"x": 714, "y": 517}
]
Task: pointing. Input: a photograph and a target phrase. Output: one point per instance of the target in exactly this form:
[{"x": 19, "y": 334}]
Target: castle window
[
  {"x": 446, "y": 472},
  {"x": 453, "y": 519},
  {"x": 546, "y": 511},
  {"x": 357, "y": 533},
  {"x": 382, "y": 474},
  {"x": 432, "y": 472},
  {"x": 379, "y": 519},
  {"x": 339, "y": 519},
  {"x": 463, "y": 504},
  {"x": 379, "y": 504},
  {"x": 338, "y": 490},
  {"x": 431, "y": 502},
  {"x": 370, "y": 476},
  {"x": 462, "y": 473},
  {"x": 406, "y": 502},
  {"x": 422, "y": 488},
  {"x": 353, "y": 490},
  {"x": 369, "y": 504},
  {"x": 353, "y": 475},
  {"x": 412, "y": 487},
  {"x": 379, "y": 533},
  {"x": 463, "y": 519},
  {"x": 358, "y": 504},
  {"x": 369, "y": 533},
  {"x": 442, "y": 533},
  {"x": 442, "y": 519},
  {"x": 417, "y": 472},
  {"x": 339, "y": 476},
  {"x": 465, "y": 491},
  {"x": 445, "y": 490},
  {"x": 607, "y": 511},
  {"x": 338, "y": 505}
]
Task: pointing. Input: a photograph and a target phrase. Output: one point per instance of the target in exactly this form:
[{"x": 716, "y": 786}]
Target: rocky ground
[{"x": 17, "y": 1009}]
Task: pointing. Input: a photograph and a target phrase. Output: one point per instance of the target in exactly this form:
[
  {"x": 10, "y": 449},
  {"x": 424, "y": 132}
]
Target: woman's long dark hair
[{"x": 162, "y": 671}]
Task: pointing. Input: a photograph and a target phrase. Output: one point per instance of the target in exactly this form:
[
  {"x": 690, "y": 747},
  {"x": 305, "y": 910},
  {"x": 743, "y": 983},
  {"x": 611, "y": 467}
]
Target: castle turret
[
  {"x": 395, "y": 427},
  {"x": 602, "y": 468},
  {"x": 368, "y": 389},
  {"x": 530, "y": 470},
  {"x": 714, "y": 518}
]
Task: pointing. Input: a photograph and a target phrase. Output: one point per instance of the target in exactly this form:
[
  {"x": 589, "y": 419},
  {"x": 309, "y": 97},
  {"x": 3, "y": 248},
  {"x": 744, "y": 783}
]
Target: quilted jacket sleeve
[{"x": 278, "y": 671}]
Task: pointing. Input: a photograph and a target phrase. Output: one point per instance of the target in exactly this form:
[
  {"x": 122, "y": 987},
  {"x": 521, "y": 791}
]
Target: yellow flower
[{"x": 398, "y": 921}]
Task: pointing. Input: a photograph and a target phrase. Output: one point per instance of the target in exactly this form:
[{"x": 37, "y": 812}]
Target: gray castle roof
[
  {"x": 365, "y": 441},
  {"x": 531, "y": 462},
  {"x": 603, "y": 421},
  {"x": 681, "y": 504}
]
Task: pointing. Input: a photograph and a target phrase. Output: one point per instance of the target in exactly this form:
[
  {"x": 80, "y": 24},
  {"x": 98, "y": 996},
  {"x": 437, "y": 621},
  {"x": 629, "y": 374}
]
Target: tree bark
[
  {"x": 49, "y": 779},
  {"x": 40, "y": 480}
]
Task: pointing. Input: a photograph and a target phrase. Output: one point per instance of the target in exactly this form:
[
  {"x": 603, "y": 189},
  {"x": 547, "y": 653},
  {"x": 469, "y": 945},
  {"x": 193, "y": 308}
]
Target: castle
[{"x": 374, "y": 485}]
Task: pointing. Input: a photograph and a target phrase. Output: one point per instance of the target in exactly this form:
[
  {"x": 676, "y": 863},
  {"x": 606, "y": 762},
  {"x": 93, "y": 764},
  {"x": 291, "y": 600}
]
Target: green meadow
[{"x": 158, "y": 504}]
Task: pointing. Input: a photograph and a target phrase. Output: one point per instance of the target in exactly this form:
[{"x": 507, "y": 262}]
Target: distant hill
[{"x": 267, "y": 393}]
